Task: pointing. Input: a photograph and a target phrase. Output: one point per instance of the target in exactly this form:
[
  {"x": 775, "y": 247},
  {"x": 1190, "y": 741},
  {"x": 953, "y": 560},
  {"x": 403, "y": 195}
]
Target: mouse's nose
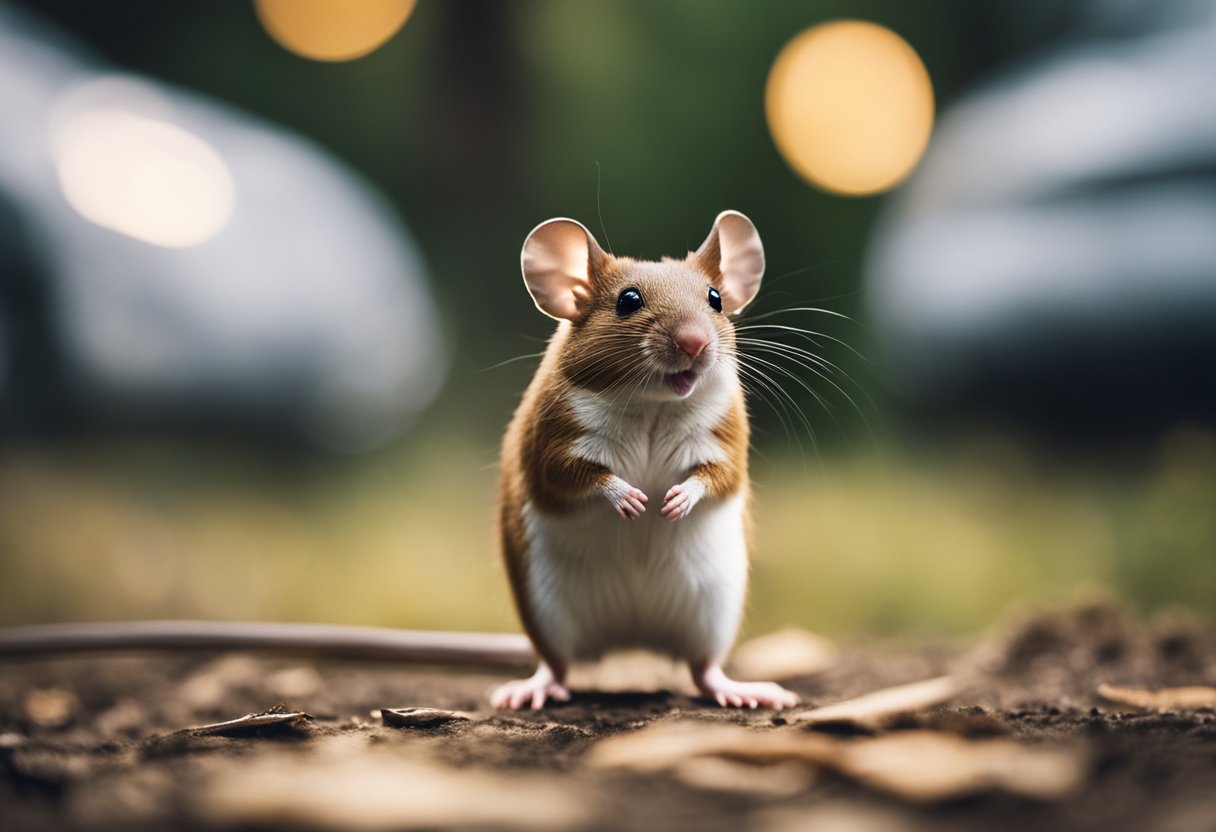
[{"x": 692, "y": 342}]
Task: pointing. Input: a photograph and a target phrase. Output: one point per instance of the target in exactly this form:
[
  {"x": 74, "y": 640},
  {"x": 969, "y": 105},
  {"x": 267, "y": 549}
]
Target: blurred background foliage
[{"x": 477, "y": 121}]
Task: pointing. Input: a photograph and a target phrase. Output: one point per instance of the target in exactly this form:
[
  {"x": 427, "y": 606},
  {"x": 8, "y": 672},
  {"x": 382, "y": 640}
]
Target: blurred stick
[{"x": 315, "y": 640}]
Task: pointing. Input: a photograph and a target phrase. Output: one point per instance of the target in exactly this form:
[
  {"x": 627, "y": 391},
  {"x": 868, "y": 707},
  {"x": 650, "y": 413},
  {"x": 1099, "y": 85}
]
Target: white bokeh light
[{"x": 143, "y": 177}]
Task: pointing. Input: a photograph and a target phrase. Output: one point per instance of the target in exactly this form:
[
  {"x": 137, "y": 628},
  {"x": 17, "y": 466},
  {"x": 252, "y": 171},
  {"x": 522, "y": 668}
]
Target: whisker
[
  {"x": 795, "y": 353},
  {"x": 789, "y": 405},
  {"x": 759, "y": 376},
  {"x": 821, "y": 310},
  {"x": 794, "y": 350},
  {"x": 824, "y": 403},
  {"x": 806, "y": 333},
  {"x": 754, "y": 386},
  {"x": 511, "y": 361}
]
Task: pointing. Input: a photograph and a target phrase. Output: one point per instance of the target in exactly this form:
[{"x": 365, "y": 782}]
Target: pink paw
[
  {"x": 628, "y": 501},
  {"x": 730, "y": 693},
  {"x": 753, "y": 695},
  {"x": 680, "y": 499},
  {"x": 531, "y": 692}
]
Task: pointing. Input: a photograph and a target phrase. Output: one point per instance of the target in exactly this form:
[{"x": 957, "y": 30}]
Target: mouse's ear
[
  {"x": 733, "y": 257},
  {"x": 558, "y": 259}
]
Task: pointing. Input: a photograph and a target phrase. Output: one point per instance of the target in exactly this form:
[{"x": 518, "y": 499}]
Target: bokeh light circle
[
  {"x": 143, "y": 177},
  {"x": 850, "y": 106},
  {"x": 333, "y": 30}
]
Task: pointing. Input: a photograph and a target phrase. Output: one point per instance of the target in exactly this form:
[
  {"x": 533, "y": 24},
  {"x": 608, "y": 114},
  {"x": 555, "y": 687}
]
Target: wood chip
[
  {"x": 784, "y": 654},
  {"x": 923, "y": 766},
  {"x": 421, "y": 717},
  {"x": 278, "y": 715},
  {"x": 928, "y": 766},
  {"x": 1165, "y": 699},
  {"x": 881, "y": 707}
]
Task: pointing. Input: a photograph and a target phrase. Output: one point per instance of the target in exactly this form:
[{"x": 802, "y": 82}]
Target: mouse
[{"x": 624, "y": 500}]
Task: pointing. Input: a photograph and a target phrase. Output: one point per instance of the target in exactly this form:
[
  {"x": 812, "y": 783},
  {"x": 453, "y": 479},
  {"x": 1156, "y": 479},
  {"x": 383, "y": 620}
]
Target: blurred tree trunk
[
  {"x": 473, "y": 159},
  {"x": 474, "y": 120}
]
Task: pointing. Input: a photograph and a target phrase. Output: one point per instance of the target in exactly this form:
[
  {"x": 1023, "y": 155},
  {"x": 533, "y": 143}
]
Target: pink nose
[{"x": 692, "y": 342}]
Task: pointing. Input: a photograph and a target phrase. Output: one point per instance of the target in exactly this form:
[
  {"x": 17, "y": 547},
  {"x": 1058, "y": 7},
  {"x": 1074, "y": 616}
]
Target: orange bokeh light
[
  {"x": 333, "y": 30},
  {"x": 850, "y": 107}
]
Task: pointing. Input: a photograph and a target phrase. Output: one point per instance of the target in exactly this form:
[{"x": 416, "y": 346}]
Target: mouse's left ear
[
  {"x": 558, "y": 259},
  {"x": 733, "y": 257}
]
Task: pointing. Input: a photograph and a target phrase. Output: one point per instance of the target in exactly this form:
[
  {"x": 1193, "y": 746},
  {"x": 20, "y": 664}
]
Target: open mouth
[{"x": 682, "y": 382}]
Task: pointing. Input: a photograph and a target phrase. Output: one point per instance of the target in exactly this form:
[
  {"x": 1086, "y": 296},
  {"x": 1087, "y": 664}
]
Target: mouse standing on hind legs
[{"x": 624, "y": 494}]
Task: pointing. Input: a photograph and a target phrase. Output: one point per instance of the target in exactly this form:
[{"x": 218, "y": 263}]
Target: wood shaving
[
  {"x": 874, "y": 710},
  {"x": 1165, "y": 699}
]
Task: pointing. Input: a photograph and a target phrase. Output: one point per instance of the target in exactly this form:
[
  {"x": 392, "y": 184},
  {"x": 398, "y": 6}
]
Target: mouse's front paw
[
  {"x": 628, "y": 501},
  {"x": 681, "y": 498}
]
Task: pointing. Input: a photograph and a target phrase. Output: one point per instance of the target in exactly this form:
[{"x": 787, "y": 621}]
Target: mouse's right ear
[{"x": 558, "y": 260}]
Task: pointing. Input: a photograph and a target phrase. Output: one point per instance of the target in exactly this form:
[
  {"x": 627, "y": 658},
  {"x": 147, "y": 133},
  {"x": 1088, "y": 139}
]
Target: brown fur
[
  {"x": 600, "y": 352},
  {"x": 723, "y": 479}
]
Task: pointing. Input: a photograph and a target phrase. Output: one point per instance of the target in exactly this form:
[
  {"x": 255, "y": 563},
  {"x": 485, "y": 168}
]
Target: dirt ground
[{"x": 98, "y": 742}]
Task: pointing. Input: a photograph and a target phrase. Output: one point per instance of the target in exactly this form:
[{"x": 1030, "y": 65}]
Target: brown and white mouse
[{"x": 624, "y": 491}]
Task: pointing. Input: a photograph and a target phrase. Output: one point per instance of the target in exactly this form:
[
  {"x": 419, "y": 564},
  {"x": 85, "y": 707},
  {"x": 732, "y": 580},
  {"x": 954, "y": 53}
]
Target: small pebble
[{"x": 50, "y": 707}]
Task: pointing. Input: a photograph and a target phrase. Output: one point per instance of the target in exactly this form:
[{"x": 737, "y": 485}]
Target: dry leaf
[
  {"x": 783, "y": 654},
  {"x": 1166, "y": 699},
  {"x": 421, "y": 717},
  {"x": 873, "y": 710},
  {"x": 348, "y": 786},
  {"x": 931, "y": 766}
]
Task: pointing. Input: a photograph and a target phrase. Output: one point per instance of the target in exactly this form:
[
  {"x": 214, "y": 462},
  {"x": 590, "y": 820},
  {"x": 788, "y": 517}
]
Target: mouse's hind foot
[
  {"x": 730, "y": 693},
  {"x": 532, "y": 692}
]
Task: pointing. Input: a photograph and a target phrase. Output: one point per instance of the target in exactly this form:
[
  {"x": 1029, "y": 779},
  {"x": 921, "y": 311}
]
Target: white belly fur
[{"x": 598, "y": 582}]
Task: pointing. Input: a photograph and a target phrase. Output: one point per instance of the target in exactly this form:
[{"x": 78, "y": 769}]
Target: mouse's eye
[
  {"x": 628, "y": 302},
  {"x": 715, "y": 299}
]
